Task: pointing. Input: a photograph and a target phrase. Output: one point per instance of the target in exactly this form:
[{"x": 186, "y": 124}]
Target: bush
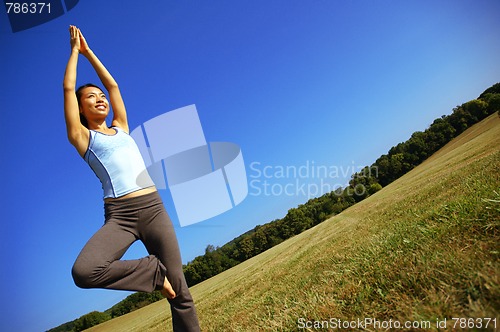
[
  {"x": 91, "y": 319},
  {"x": 374, "y": 188}
]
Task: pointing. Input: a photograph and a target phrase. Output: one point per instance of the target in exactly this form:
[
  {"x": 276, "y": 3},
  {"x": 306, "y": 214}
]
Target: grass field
[{"x": 425, "y": 247}]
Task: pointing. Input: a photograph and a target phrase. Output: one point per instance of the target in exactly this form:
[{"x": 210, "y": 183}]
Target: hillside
[{"x": 425, "y": 247}]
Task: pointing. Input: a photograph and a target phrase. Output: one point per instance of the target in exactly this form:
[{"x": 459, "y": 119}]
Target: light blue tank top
[{"x": 117, "y": 162}]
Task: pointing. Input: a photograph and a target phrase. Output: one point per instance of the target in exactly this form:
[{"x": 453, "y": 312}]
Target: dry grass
[{"x": 425, "y": 247}]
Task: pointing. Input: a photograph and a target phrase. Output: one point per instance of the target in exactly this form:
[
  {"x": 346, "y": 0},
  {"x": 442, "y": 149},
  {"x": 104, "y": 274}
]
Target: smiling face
[{"x": 93, "y": 103}]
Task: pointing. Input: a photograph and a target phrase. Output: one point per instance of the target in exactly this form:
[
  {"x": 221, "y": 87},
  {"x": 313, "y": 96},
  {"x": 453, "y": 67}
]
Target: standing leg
[{"x": 157, "y": 233}]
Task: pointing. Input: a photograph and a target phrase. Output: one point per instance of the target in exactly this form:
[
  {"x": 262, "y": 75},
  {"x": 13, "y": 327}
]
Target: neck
[{"x": 98, "y": 126}]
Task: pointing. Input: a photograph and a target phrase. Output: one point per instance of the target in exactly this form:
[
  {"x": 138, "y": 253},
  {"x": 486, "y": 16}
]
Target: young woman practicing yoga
[{"x": 133, "y": 209}]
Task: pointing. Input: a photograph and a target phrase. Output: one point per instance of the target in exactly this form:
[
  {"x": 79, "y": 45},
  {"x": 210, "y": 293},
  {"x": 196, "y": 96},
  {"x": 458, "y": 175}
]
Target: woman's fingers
[
  {"x": 83, "y": 41},
  {"x": 74, "y": 38},
  {"x": 72, "y": 31}
]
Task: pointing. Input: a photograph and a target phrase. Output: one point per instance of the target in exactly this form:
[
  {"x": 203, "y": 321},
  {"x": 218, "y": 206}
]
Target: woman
[{"x": 133, "y": 210}]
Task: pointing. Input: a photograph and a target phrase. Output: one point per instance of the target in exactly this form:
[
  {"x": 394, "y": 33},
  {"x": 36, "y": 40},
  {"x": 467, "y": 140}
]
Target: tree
[
  {"x": 477, "y": 110},
  {"x": 374, "y": 188},
  {"x": 439, "y": 133},
  {"x": 260, "y": 240},
  {"x": 191, "y": 273},
  {"x": 297, "y": 221},
  {"x": 495, "y": 88},
  {"x": 493, "y": 101},
  {"x": 245, "y": 249},
  {"x": 459, "y": 119},
  {"x": 417, "y": 147},
  {"x": 91, "y": 319}
]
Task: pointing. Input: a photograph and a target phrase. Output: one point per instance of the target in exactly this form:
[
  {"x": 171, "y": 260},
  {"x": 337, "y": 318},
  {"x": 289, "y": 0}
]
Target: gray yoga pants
[{"x": 128, "y": 220}]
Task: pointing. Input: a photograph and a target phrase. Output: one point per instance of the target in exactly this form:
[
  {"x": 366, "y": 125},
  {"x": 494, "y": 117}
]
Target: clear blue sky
[{"x": 294, "y": 83}]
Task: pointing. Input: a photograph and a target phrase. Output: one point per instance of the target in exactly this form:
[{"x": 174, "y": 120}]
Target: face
[{"x": 93, "y": 103}]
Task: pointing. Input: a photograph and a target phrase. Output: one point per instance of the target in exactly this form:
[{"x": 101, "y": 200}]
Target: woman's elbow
[{"x": 69, "y": 87}]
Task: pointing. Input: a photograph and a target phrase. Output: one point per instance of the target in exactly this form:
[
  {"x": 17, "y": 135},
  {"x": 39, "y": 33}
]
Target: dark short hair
[{"x": 78, "y": 93}]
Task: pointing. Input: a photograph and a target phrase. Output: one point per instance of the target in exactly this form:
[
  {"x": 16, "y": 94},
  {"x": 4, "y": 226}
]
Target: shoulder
[
  {"x": 121, "y": 126},
  {"x": 120, "y": 129}
]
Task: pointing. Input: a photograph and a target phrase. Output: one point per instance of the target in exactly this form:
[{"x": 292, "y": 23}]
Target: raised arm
[
  {"x": 78, "y": 135},
  {"x": 115, "y": 97}
]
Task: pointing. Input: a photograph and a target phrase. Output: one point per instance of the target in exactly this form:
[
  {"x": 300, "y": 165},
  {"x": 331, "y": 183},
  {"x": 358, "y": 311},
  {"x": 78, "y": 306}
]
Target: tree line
[
  {"x": 405, "y": 156},
  {"x": 399, "y": 160},
  {"x": 130, "y": 303}
]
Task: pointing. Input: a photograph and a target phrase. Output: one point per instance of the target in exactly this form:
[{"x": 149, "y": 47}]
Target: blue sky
[{"x": 295, "y": 84}]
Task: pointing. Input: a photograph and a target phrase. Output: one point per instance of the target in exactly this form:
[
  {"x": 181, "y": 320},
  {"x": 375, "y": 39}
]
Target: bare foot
[{"x": 167, "y": 290}]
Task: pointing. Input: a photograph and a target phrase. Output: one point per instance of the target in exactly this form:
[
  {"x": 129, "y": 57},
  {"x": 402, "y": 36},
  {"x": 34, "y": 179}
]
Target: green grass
[{"x": 426, "y": 247}]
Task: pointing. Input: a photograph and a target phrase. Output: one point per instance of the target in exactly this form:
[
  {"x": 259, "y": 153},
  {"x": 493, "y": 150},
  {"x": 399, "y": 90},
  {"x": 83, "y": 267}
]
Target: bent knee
[{"x": 82, "y": 275}]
